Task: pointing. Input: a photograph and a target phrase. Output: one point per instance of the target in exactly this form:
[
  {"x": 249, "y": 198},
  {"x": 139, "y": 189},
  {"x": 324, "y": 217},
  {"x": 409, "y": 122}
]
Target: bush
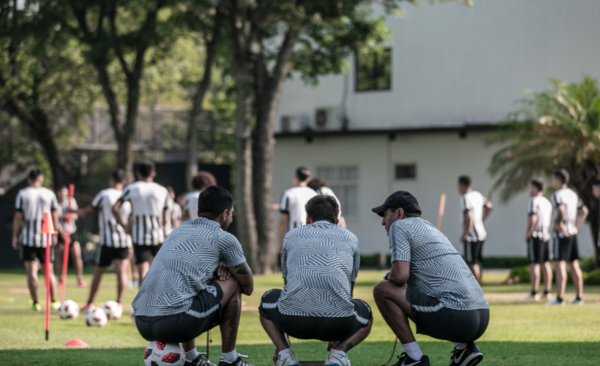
[
  {"x": 592, "y": 278},
  {"x": 519, "y": 274}
]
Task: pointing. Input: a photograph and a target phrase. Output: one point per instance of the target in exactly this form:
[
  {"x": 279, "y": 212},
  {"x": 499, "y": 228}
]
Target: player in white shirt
[
  {"x": 539, "y": 222},
  {"x": 31, "y": 204},
  {"x": 115, "y": 244},
  {"x": 320, "y": 186},
  {"x": 293, "y": 202},
  {"x": 200, "y": 181},
  {"x": 62, "y": 194},
  {"x": 173, "y": 214},
  {"x": 569, "y": 214},
  {"x": 475, "y": 209},
  {"x": 149, "y": 208}
]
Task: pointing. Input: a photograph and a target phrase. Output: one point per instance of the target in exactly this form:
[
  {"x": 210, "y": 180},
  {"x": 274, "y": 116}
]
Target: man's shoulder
[{"x": 299, "y": 191}]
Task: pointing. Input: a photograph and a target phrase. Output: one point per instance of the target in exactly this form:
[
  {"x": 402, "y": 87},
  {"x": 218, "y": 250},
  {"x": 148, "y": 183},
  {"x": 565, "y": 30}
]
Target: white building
[{"x": 455, "y": 72}]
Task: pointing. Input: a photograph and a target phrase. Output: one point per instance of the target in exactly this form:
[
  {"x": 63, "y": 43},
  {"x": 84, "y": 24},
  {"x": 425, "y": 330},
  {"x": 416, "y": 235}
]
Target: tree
[
  {"x": 121, "y": 32},
  {"x": 270, "y": 40},
  {"x": 556, "y": 128},
  {"x": 43, "y": 81}
]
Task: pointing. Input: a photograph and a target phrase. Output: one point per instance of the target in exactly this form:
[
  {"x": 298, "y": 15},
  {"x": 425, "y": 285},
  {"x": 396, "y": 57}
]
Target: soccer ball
[
  {"x": 112, "y": 309},
  {"x": 96, "y": 317},
  {"x": 164, "y": 354},
  {"x": 68, "y": 310}
]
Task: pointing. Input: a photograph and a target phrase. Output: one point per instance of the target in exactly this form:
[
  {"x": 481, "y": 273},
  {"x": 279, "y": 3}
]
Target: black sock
[
  {"x": 559, "y": 299},
  {"x": 35, "y": 303},
  {"x": 546, "y": 292},
  {"x": 577, "y": 298},
  {"x": 533, "y": 292}
]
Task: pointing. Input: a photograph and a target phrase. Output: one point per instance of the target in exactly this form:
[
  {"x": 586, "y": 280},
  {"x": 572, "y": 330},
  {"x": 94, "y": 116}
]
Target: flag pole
[{"x": 63, "y": 281}]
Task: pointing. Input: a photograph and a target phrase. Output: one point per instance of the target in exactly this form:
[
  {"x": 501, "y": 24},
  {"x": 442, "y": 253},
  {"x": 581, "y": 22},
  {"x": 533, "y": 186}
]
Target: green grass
[{"x": 518, "y": 334}]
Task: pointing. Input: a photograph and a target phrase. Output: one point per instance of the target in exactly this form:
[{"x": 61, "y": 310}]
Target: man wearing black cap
[{"x": 430, "y": 284}]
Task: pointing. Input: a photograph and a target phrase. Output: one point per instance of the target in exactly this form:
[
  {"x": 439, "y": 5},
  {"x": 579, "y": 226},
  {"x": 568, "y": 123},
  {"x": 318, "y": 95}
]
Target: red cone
[{"x": 76, "y": 343}]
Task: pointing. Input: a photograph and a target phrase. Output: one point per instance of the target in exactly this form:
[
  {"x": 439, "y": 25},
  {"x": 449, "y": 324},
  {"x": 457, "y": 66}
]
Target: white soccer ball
[
  {"x": 164, "y": 354},
  {"x": 112, "y": 309},
  {"x": 95, "y": 317},
  {"x": 68, "y": 310}
]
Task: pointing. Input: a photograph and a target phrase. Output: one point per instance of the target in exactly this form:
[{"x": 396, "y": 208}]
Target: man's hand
[
  {"x": 463, "y": 238},
  {"x": 331, "y": 344},
  {"x": 54, "y": 240},
  {"x": 15, "y": 243},
  {"x": 222, "y": 273},
  {"x": 527, "y": 239},
  {"x": 385, "y": 276}
]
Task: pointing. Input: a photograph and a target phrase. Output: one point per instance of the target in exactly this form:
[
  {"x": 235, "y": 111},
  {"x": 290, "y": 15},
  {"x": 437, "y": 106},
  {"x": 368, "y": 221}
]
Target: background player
[
  {"x": 114, "y": 245},
  {"x": 31, "y": 204},
  {"x": 475, "y": 210},
  {"x": 320, "y": 186},
  {"x": 190, "y": 206},
  {"x": 293, "y": 213},
  {"x": 149, "y": 205},
  {"x": 62, "y": 194},
  {"x": 569, "y": 214},
  {"x": 537, "y": 237},
  {"x": 173, "y": 212}
]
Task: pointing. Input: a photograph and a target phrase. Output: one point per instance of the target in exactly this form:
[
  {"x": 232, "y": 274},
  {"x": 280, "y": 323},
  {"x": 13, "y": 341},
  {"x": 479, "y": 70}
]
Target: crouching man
[
  {"x": 187, "y": 292},
  {"x": 430, "y": 284},
  {"x": 319, "y": 263}
]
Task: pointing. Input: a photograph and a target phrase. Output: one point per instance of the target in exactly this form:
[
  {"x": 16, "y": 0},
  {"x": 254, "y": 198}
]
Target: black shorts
[
  {"x": 308, "y": 327},
  {"x": 461, "y": 326},
  {"x": 74, "y": 238},
  {"x": 105, "y": 255},
  {"x": 143, "y": 252},
  {"x": 203, "y": 315},
  {"x": 566, "y": 249},
  {"x": 29, "y": 254},
  {"x": 473, "y": 251},
  {"x": 537, "y": 251}
]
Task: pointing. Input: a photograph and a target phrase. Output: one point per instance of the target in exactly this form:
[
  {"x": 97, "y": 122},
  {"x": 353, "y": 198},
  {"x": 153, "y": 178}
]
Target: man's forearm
[{"x": 17, "y": 221}]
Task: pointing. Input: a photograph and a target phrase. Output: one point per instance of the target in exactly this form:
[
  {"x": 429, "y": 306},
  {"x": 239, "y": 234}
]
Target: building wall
[
  {"x": 440, "y": 159},
  {"x": 452, "y": 64}
]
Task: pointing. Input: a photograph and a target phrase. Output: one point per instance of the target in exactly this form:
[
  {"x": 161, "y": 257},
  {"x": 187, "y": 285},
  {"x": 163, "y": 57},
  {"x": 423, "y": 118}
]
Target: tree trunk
[
  {"x": 201, "y": 89},
  {"x": 268, "y": 96}
]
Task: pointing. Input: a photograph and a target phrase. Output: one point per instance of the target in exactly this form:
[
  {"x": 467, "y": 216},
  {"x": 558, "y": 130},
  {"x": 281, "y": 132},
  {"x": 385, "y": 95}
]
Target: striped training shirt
[
  {"x": 33, "y": 202},
  {"x": 184, "y": 267},
  {"x": 572, "y": 203},
  {"x": 191, "y": 204},
  {"x": 474, "y": 201},
  {"x": 293, "y": 203},
  {"x": 326, "y": 191},
  {"x": 542, "y": 208},
  {"x": 111, "y": 233},
  {"x": 63, "y": 210},
  {"x": 148, "y": 201},
  {"x": 319, "y": 261},
  {"x": 436, "y": 268}
]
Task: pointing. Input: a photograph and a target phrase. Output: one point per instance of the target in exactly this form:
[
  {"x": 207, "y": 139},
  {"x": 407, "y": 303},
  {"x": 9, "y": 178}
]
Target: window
[
  {"x": 344, "y": 183},
  {"x": 374, "y": 70},
  {"x": 406, "y": 171}
]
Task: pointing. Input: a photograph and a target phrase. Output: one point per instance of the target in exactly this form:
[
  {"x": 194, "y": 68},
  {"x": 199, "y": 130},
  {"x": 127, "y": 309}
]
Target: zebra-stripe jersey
[
  {"x": 148, "y": 201},
  {"x": 184, "y": 266},
  {"x": 62, "y": 211},
  {"x": 474, "y": 201},
  {"x": 319, "y": 261},
  {"x": 293, "y": 202},
  {"x": 542, "y": 208},
  {"x": 326, "y": 191},
  {"x": 572, "y": 203},
  {"x": 111, "y": 233},
  {"x": 33, "y": 202},
  {"x": 436, "y": 268},
  {"x": 191, "y": 204}
]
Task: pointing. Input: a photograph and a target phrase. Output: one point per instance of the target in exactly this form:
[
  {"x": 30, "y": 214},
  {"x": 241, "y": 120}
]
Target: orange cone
[
  {"x": 48, "y": 224},
  {"x": 76, "y": 343}
]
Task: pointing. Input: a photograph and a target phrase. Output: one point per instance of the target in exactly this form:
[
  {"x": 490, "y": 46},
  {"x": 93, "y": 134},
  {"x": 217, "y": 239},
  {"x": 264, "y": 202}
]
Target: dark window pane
[
  {"x": 374, "y": 70},
  {"x": 406, "y": 171}
]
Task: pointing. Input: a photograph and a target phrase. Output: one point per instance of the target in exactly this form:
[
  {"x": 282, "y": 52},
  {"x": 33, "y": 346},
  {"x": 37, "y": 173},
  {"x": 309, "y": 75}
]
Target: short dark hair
[
  {"x": 317, "y": 183},
  {"x": 34, "y": 174},
  {"x": 538, "y": 183},
  {"x": 146, "y": 168},
  {"x": 170, "y": 189},
  {"x": 302, "y": 173},
  {"x": 323, "y": 208},
  {"x": 596, "y": 182},
  {"x": 213, "y": 201},
  {"x": 118, "y": 176},
  {"x": 563, "y": 175},
  {"x": 202, "y": 180},
  {"x": 465, "y": 180},
  {"x": 61, "y": 187}
]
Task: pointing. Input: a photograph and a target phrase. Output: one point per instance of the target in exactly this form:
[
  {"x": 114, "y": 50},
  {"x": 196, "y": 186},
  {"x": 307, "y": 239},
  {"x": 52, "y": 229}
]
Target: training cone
[
  {"x": 76, "y": 343},
  {"x": 48, "y": 224}
]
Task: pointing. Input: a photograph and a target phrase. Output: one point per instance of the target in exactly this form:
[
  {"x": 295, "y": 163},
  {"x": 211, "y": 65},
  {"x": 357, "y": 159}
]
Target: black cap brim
[{"x": 380, "y": 210}]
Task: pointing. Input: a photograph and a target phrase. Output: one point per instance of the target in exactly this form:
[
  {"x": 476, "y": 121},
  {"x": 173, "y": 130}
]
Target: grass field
[{"x": 518, "y": 334}]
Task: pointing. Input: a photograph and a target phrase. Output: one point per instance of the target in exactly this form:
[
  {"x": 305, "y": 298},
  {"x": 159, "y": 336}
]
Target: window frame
[{"x": 373, "y": 87}]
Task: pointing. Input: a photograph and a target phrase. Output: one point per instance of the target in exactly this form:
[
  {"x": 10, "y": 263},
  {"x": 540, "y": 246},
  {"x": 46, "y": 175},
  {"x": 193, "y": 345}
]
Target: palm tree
[{"x": 556, "y": 128}]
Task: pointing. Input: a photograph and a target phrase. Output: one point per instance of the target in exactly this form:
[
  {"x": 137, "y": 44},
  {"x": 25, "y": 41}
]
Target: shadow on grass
[{"x": 367, "y": 354}]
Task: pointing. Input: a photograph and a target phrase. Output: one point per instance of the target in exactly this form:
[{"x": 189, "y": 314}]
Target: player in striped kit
[
  {"x": 62, "y": 194},
  {"x": 149, "y": 209},
  {"x": 199, "y": 183},
  {"x": 31, "y": 204},
  {"x": 115, "y": 244}
]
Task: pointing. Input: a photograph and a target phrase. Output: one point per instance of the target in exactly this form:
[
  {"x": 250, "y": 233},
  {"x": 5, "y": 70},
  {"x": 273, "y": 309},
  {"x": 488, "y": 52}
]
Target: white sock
[
  {"x": 413, "y": 351},
  {"x": 284, "y": 352},
  {"x": 341, "y": 353},
  {"x": 230, "y": 356},
  {"x": 460, "y": 345},
  {"x": 191, "y": 354}
]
